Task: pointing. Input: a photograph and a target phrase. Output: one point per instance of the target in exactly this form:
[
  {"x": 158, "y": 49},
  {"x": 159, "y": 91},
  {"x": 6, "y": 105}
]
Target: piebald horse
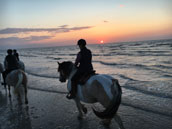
[
  {"x": 16, "y": 78},
  {"x": 99, "y": 88}
]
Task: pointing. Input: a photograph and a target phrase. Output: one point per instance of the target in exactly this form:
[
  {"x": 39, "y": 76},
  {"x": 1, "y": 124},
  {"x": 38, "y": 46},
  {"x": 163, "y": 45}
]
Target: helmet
[
  {"x": 81, "y": 42},
  {"x": 9, "y": 51}
]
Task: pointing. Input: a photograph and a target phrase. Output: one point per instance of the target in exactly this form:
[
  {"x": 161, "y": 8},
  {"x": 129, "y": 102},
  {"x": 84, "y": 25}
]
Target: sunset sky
[{"x": 34, "y": 23}]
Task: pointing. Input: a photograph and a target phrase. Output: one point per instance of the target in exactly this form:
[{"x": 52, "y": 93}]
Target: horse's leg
[
  {"x": 4, "y": 83},
  {"x": 9, "y": 91},
  {"x": 79, "y": 106},
  {"x": 84, "y": 109},
  {"x": 106, "y": 122},
  {"x": 119, "y": 121},
  {"x": 25, "y": 90},
  {"x": 19, "y": 98},
  {"x": 105, "y": 103}
]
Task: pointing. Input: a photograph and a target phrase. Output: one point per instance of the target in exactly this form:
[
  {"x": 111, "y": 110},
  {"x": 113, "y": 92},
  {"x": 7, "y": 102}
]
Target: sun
[{"x": 101, "y": 41}]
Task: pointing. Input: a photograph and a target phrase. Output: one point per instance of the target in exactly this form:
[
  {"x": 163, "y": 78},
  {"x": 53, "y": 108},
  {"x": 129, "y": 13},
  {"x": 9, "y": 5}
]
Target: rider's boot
[{"x": 72, "y": 93}]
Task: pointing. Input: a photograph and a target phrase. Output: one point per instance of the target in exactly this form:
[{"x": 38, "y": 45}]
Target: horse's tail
[
  {"x": 19, "y": 82},
  {"x": 111, "y": 110}
]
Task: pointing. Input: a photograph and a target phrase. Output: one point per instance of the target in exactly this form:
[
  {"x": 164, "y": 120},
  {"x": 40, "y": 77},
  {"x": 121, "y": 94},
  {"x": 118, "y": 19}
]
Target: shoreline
[{"x": 53, "y": 111}]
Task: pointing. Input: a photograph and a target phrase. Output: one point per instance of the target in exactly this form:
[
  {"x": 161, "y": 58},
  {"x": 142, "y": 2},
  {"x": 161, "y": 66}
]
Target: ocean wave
[
  {"x": 122, "y": 65},
  {"x": 125, "y": 77},
  {"x": 28, "y": 55},
  {"x": 47, "y": 90},
  {"x": 162, "y": 66},
  {"x": 151, "y": 93},
  {"x": 54, "y": 58},
  {"x": 155, "y": 68},
  {"x": 41, "y": 75},
  {"x": 165, "y": 113}
]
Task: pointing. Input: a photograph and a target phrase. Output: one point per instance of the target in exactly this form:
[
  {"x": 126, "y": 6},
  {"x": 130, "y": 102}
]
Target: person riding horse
[
  {"x": 84, "y": 64},
  {"x": 10, "y": 63},
  {"x": 15, "y": 53}
]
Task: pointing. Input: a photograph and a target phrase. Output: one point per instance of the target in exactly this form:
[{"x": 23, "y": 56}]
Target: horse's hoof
[
  {"x": 106, "y": 122},
  {"x": 80, "y": 117},
  {"x": 84, "y": 109},
  {"x": 26, "y": 102}
]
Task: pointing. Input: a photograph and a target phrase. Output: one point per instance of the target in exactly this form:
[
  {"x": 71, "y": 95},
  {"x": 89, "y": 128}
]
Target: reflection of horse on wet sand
[
  {"x": 99, "y": 88},
  {"x": 16, "y": 78}
]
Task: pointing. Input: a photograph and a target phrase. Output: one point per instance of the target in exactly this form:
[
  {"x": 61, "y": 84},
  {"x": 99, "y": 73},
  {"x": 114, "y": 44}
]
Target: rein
[{"x": 73, "y": 71}]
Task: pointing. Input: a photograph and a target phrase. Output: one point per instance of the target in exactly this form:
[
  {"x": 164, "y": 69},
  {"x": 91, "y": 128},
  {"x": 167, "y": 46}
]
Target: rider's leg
[
  {"x": 4, "y": 75},
  {"x": 74, "y": 82}
]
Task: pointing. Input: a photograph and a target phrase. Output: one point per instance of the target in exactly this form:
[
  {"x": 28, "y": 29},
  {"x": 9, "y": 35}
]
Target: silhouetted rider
[
  {"x": 16, "y": 54},
  {"x": 10, "y": 63},
  {"x": 84, "y": 64}
]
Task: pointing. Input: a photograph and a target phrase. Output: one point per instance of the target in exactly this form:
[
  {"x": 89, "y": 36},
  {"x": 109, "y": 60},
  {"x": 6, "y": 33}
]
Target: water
[{"x": 144, "y": 70}]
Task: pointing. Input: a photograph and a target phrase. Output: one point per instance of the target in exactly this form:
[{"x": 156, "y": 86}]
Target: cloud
[
  {"x": 12, "y": 41},
  {"x": 121, "y": 5},
  {"x": 23, "y": 37},
  {"x": 28, "y": 42},
  {"x": 36, "y": 38},
  {"x": 63, "y": 26},
  {"x": 105, "y": 21},
  {"x": 61, "y": 29}
]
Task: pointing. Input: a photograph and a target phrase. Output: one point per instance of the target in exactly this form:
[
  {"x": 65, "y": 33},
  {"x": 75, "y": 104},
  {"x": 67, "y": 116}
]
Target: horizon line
[{"x": 34, "y": 47}]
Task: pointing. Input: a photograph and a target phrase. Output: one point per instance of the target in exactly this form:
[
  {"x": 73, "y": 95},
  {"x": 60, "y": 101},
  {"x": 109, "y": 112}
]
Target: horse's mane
[{"x": 66, "y": 66}]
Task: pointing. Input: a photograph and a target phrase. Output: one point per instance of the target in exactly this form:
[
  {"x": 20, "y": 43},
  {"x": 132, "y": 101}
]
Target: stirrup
[
  {"x": 70, "y": 96},
  {"x": 3, "y": 83}
]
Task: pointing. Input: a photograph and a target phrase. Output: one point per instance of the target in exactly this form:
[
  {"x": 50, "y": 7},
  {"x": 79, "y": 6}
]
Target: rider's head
[
  {"x": 9, "y": 51},
  {"x": 14, "y": 50},
  {"x": 81, "y": 43}
]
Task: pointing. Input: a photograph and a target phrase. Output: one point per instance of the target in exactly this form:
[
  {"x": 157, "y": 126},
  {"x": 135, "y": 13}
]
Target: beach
[
  {"x": 54, "y": 111},
  {"x": 143, "y": 70},
  {"x": 47, "y": 110}
]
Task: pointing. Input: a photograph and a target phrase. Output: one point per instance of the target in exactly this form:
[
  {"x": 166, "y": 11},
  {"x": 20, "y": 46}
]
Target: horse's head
[
  {"x": 1, "y": 68},
  {"x": 65, "y": 69}
]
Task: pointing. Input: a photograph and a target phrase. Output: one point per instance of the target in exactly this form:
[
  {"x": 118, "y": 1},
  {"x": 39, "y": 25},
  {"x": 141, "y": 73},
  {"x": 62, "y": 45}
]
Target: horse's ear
[{"x": 58, "y": 63}]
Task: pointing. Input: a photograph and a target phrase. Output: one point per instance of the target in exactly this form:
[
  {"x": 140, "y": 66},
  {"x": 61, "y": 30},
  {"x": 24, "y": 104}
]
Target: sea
[{"x": 143, "y": 68}]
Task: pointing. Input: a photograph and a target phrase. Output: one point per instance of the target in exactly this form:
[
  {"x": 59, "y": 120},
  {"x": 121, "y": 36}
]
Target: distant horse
[
  {"x": 16, "y": 78},
  {"x": 1, "y": 69},
  {"x": 21, "y": 65},
  {"x": 99, "y": 88}
]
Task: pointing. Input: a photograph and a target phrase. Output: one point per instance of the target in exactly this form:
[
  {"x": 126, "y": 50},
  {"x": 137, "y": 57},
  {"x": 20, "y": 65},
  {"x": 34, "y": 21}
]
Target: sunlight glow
[{"x": 101, "y": 41}]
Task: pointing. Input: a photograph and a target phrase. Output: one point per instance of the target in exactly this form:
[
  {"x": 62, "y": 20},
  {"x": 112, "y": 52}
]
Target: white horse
[
  {"x": 99, "y": 88},
  {"x": 16, "y": 78},
  {"x": 1, "y": 69},
  {"x": 21, "y": 65}
]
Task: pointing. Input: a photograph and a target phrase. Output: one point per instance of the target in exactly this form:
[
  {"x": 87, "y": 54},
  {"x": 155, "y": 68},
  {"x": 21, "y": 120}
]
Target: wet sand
[{"x": 48, "y": 110}]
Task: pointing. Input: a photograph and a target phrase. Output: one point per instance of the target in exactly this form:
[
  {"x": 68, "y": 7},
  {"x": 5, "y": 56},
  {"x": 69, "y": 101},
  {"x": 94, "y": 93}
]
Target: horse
[
  {"x": 1, "y": 69},
  {"x": 21, "y": 65},
  {"x": 98, "y": 88},
  {"x": 16, "y": 78}
]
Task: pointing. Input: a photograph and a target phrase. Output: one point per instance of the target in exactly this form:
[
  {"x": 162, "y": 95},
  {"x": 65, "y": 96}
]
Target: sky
[{"x": 34, "y": 23}]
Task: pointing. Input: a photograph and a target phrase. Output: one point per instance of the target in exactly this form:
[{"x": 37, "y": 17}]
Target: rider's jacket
[
  {"x": 11, "y": 62},
  {"x": 84, "y": 59}
]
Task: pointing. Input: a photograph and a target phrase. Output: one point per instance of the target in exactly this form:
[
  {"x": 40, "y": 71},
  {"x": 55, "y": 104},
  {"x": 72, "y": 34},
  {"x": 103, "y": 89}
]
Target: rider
[
  {"x": 84, "y": 64},
  {"x": 16, "y": 54},
  {"x": 10, "y": 64}
]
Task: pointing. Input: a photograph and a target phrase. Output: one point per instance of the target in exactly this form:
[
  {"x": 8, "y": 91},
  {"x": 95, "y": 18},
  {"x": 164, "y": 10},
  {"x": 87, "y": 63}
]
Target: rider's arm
[
  {"x": 5, "y": 64},
  {"x": 78, "y": 58}
]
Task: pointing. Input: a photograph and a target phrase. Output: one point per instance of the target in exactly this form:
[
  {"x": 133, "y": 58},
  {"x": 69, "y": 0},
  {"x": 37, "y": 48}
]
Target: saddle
[{"x": 85, "y": 77}]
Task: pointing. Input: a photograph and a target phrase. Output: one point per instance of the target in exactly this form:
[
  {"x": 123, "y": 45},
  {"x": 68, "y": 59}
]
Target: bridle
[{"x": 64, "y": 72}]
